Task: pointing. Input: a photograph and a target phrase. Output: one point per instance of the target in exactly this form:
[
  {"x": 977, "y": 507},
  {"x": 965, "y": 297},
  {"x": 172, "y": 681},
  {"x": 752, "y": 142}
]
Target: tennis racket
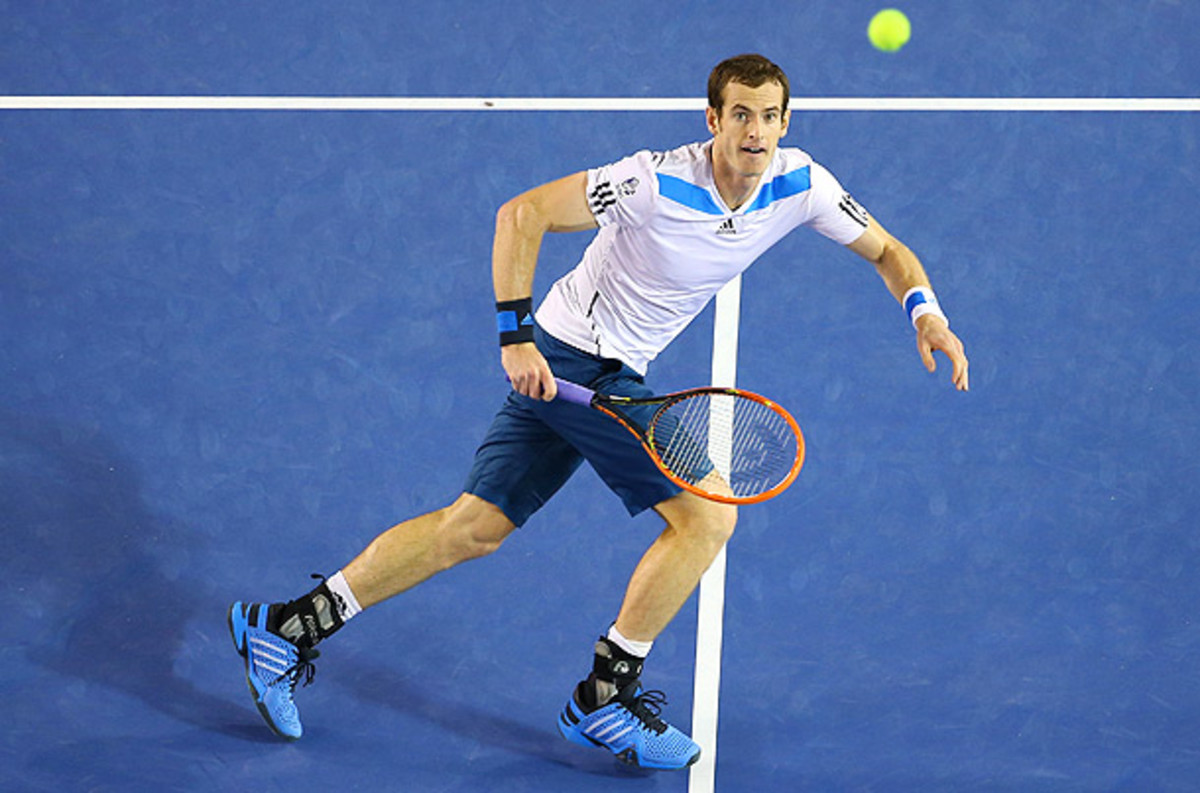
[{"x": 724, "y": 444}]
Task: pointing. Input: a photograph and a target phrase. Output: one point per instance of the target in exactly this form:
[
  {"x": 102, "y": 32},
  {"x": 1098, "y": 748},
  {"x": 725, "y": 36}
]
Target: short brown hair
[{"x": 749, "y": 70}]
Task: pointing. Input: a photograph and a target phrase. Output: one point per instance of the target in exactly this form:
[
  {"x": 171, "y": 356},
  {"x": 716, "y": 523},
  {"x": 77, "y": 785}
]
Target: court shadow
[
  {"x": 379, "y": 685},
  {"x": 79, "y": 537}
]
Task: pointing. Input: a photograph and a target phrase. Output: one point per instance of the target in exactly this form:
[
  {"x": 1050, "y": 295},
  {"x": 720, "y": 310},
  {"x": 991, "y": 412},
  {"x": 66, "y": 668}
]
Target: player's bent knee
[
  {"x": 472, "y": 528},
  {"x": 712, "y": 529},
  {"x": 708, "y": 521},
  {"x": 723, "y": 522}
]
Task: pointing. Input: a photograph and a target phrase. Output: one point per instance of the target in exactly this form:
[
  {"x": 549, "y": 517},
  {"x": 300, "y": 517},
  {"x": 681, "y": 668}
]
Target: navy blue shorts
[{"x": 533, "y": 447}]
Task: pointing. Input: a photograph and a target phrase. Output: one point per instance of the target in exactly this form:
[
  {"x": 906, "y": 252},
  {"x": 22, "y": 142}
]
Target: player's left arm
[{"x": 901, "y": 270}]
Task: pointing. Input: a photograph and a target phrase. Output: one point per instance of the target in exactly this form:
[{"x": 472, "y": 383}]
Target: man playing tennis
[{"x": 673, "y": 227}]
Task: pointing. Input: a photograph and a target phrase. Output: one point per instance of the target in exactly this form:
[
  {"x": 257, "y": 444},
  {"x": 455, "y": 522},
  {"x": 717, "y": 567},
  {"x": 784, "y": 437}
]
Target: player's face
[{"x": 749, "y": 127}]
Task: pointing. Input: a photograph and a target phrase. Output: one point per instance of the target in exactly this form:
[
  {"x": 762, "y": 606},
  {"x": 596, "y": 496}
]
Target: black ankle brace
[
  {"x": 614, "y": 665},
  {"x": 307, "y": 620}
]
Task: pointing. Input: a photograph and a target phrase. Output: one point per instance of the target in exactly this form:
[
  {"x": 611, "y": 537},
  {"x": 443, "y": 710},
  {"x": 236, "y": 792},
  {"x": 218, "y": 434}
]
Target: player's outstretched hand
[
  {"x": 528, "y": 371},
  {"x": 934, "y": 334}
]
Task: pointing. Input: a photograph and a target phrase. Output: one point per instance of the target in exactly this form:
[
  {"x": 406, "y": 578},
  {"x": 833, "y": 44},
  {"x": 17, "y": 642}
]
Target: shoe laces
[
  {"x": 647, "y": 707},
  {"x": 303, "y": 670}
]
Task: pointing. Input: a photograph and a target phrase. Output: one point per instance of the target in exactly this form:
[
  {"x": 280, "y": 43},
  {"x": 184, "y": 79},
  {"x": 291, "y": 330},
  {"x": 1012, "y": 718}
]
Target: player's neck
[{"x": 735, "y": 187}]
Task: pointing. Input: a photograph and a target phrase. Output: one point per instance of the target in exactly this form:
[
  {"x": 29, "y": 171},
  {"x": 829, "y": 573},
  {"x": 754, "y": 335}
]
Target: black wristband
[{"x": 514, "y": 320}]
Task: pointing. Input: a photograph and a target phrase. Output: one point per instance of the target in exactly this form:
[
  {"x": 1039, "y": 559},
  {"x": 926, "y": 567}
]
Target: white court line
[
  {"x": 706, "y": 687},
  {"x": 658, "y": 104}
]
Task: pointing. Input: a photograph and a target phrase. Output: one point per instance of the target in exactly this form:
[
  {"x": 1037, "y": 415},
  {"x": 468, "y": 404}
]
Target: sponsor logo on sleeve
[{"x": 852, "y": 208}]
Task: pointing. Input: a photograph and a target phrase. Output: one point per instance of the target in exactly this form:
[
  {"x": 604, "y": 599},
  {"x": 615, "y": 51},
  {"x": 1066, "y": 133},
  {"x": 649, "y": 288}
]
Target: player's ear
[
  {"x": 787, "y": 119},
  {"x": 712, "y": 119}
]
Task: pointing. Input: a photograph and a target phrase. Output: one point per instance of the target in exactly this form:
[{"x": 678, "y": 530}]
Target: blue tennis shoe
[
  {"x": 273, "y": 667},
  {"x": 629, "y": 726}
]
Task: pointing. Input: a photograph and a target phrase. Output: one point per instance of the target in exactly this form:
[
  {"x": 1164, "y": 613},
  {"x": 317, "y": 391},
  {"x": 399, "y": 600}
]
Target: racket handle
[{"x": 573, "y": 392}]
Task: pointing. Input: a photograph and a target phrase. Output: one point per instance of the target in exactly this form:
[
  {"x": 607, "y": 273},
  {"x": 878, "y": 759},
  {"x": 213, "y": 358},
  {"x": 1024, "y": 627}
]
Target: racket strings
[{"x": 729, "y": 444}]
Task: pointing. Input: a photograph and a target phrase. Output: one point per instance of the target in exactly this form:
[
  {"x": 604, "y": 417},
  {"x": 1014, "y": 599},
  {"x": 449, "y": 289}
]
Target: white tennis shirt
[{"x": 667, "y": 243}]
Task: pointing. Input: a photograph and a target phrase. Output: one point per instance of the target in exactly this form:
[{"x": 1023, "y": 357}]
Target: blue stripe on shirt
[
  {"x": 688, "y": 194},
  {"x": 783, "y": 186},
  {"x": 696, "y": 197}
]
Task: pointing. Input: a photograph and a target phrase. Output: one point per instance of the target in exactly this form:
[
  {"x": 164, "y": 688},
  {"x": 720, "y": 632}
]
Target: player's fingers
[
  {"x": 962, "y": 380},
  {"x": 549, "y": 387},
  {"x": 926, "y": 351},
  {"x": 954, "y": 351},
  {"x": 537, "y": 383},
  {"x": 535, "y": 388},
  {"x": 528, "y": 371},
  {"x": 527, "y": 384}
]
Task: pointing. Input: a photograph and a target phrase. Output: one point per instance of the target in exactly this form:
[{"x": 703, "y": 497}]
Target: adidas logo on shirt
[{"x": 727, "y": 227}]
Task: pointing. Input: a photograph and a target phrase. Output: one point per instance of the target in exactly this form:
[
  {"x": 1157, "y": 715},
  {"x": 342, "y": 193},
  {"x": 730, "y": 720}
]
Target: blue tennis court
[{"x": 237, "y": 344}]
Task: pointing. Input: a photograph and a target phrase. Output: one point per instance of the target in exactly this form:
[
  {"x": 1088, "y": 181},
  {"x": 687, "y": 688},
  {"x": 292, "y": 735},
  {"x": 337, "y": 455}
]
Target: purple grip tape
[{"x": 573, "y": 392}]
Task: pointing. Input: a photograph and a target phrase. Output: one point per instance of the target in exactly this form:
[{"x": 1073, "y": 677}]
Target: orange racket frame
[{"x": 610, "y": 406}]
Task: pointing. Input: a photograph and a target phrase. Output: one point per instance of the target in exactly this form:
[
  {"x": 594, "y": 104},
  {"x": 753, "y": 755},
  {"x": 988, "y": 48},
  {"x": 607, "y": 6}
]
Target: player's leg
[
  {"x": 278, "y": 640},
  {"x": 612, "y": 694},
  {"x": 520, "y": 464},
  {"x": 696, "y": 531},
  {"x": 412, "y": 551},
  {"x": 395, "y": 561}
]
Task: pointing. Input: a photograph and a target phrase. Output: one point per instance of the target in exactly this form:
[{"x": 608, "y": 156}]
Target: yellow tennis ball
[{"x": 889, "y": 30}]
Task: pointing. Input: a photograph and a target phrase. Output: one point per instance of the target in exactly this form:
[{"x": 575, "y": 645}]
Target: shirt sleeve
[
  {"x": 623, "y": 192},
  {"x": 834, "y": 212}
]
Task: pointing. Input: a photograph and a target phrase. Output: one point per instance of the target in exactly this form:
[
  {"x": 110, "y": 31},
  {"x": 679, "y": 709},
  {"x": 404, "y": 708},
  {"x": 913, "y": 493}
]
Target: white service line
[{"x": 657, "y": 104}]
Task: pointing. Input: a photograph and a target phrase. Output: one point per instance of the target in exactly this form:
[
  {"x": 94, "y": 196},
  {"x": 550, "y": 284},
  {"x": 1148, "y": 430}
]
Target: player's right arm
[{"x": 521, "y": 223}]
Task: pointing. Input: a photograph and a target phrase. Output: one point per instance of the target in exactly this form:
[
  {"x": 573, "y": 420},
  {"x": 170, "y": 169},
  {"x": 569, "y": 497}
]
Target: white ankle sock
[
  {"x": 640, "y": 649},
  {"x": 343, "y": 597}
]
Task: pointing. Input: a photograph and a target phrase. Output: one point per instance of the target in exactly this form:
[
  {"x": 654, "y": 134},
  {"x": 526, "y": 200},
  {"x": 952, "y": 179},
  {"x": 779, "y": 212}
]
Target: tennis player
[{"x": 670, "y": 229}]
